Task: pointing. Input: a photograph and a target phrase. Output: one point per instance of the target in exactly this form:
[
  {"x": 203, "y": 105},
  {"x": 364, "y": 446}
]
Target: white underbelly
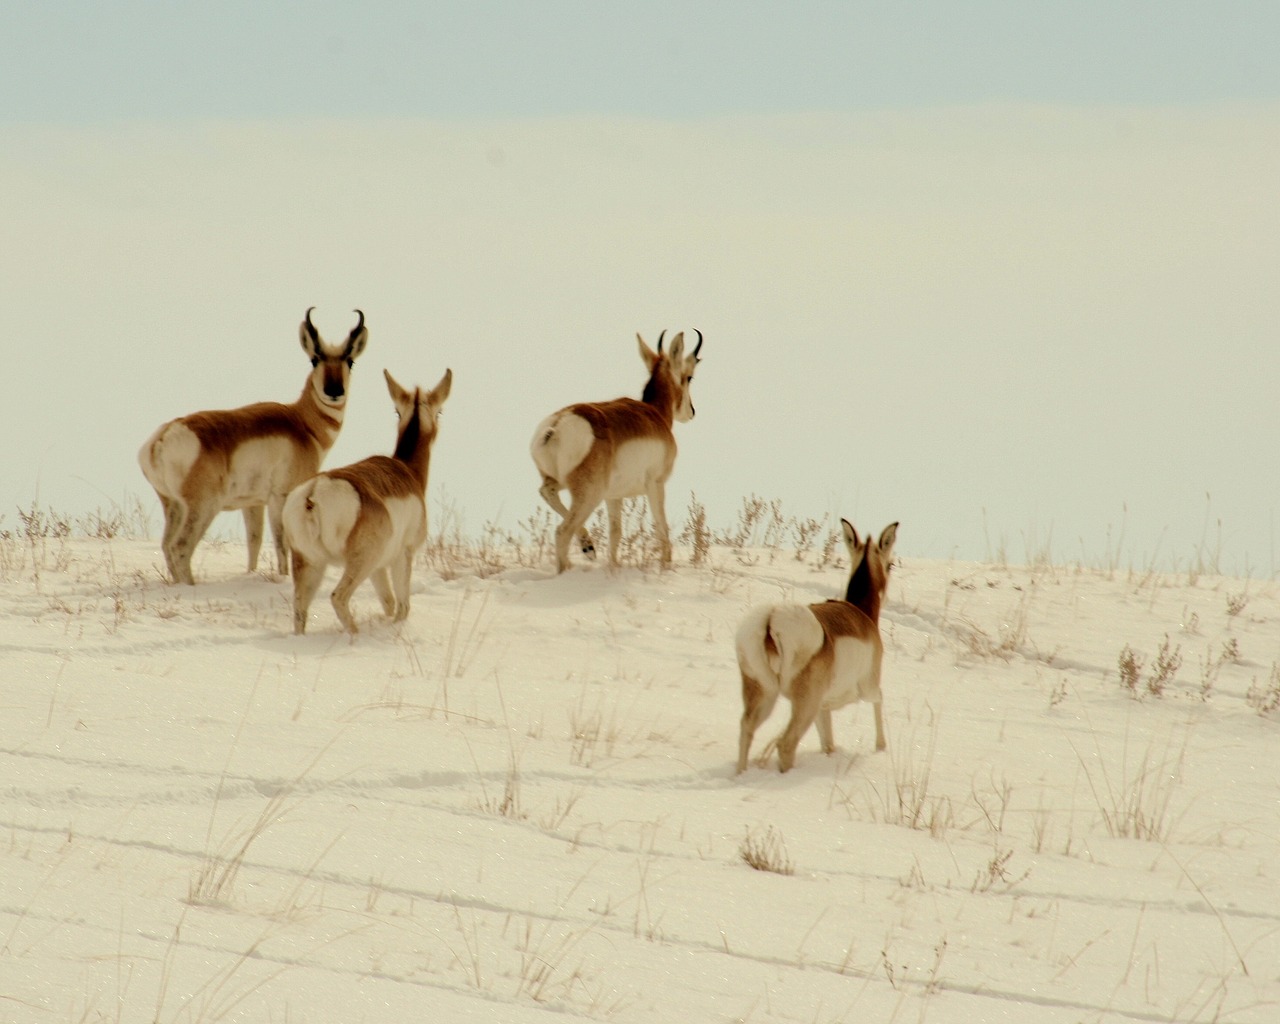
[
  {"x": 851, "y": 674},
  {"x": 636, "y": 465}
]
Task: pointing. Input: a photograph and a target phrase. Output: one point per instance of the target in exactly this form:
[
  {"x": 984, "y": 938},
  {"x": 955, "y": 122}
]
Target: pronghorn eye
[
  {"x": 351, "y": 364},
  {"x": 315, "y": 361}
]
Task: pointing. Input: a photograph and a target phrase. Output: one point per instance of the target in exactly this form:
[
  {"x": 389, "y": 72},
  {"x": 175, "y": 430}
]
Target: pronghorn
[
  {"x": 607, "y": 451},
  {"x": 369, "y": 517},
  {"x": 819, "y": 656},
  {"x": 249, "y": 457}
]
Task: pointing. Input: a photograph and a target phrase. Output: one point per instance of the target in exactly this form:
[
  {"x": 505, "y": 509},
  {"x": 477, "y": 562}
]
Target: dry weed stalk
[{"x": 766, "y": 852}]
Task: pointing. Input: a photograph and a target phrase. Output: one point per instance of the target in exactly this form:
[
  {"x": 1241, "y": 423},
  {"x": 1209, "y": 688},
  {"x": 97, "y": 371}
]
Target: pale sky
[
  {"x": 102, "y": 62},
  {"x": 1005, "y": 272}
]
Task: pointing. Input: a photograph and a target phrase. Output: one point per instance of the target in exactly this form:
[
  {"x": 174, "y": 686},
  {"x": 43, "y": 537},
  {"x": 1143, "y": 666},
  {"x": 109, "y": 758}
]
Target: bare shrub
[
  {"x": 1264, "y": 698},
  {"x": 1164, "y": 669},
  {"x": 696, "y": 535},
  {"x": 806, "y": 531},
  {"x": 766, "y": 852},
  {"x": 1130, "y": 664}
]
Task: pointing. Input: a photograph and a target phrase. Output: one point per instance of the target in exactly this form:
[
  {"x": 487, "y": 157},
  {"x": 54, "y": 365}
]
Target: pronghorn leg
[
  {"x": 275, "y": 516},
  {"x": 401, "y": 573},
  {"x": 658, "y": 508},
  {"x": 306, "y": 581},
  {"x": 583, "y": 506},
  {"x": 757, "y": 705},
  {"x": 253, "y": 533},
  {"x": 879, "y": 725},
  {"x": 823, "y": 721},
  {"x": 174, "y": 513},
  {"x": 614, "y": 505},
  {"x": 804, "y": 709},
  {"x": 381, "y": 581},
  {"x": 194, "y": 526},
  {"x": 550, "y": 491},
  {"x": 352, "y": 577}
]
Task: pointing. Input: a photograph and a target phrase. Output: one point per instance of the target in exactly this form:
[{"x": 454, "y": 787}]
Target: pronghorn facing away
[
  {"x": 607, "y": 451},
  {"x": 369, "y": 517},
  {"x": 250, "y": 457},
  {"x": 819, "y": 656}
]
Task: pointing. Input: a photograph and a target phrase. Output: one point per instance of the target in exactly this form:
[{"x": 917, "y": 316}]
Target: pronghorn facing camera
[
  {"x": 248, "y": 458},
  {"x": 369, "y": 517},
  {"x": 607, "y": 451},
  {"x": 819, "y": 656}
]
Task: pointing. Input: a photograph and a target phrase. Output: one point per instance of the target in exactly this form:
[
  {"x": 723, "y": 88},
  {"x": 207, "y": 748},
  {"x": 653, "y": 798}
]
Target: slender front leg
[
  {"x": 253, "y": 517},
  {"x": 658, "y": 507},
  {"x": 614, "y": 505},
  {"x": 275, "y": 516},
  {"x": 823, "y": 721}
]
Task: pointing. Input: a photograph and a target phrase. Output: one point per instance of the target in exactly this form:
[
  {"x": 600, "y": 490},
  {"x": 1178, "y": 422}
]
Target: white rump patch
[
  {"x": 167, "y": 457},
  {"x": 319, "y": 533},
  {"x": 560, "y": 443}
]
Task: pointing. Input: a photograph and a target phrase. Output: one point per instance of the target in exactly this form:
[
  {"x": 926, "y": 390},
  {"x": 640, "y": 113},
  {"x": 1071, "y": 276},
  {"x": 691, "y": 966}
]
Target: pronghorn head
[
  {"x": 418, "y": 412},
  {"x": 330, "y": 366},
  {"x": 677, "y": 369},
  {"x": 869, "y": 563}
]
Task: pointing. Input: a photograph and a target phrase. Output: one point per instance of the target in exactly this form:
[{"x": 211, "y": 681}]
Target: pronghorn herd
[{"x": 370, "y": 517}]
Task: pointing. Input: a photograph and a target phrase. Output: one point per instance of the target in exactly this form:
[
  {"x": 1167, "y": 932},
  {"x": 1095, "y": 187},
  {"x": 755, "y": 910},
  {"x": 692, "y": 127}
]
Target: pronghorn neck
[
  {"x": 660, "y": 392},
  {"x": 862, "y": 591},
  {"x": 413, "y": 446},
  {"x": 322, "y": 420}
]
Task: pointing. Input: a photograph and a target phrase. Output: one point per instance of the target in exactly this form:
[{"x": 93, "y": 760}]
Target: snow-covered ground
[{"x": 521, "y": 806}]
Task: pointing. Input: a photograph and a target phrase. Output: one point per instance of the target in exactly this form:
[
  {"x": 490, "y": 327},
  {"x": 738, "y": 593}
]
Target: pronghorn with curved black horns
[
  {"x": 248, "y": 458},
  {"x": 369, "y": 517},
  {"x": 819, "y": 656},
  {"x": 607, "y": 451}
]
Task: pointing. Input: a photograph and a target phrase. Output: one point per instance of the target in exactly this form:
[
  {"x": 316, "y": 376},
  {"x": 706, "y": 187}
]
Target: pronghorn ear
[
  {"x": 649, "y": 356},
  {"x": 850, "y": 534},
  {"x": 886, "y": 541},
  {"x": 441, "y": 391},
  {"x": 398, "y": 394},
  {"x": 676, "y": 352}
]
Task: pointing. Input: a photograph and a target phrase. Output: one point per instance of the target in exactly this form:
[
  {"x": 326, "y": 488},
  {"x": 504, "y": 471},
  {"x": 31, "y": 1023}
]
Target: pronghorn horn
[
  {"x": 660, "y": 337},
  {"x": 355, "y": 333},
  {"x": 311, "y": 328},
  {"x": 699, "y": 345}
]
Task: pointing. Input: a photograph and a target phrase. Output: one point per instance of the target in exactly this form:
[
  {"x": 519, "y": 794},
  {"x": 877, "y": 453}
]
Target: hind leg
[
  {"x": 174, "y": 513},
  {"x": 306, "y": 581},
  {"x": 757, "y": 705},
  {"x": 825, "y": 735},
  {"x": 194, "y": 526},
  {"x": 355, "y": 572},
  {"x": 550, "y": 492},
  {"x": 583, "y": 506},
  {"x": 805, "y": 707},
  {"x": 381, "y": 581}
]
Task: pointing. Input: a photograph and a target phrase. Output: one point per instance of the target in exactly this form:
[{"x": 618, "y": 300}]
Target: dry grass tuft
[{"x": 766, "y": 852}]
